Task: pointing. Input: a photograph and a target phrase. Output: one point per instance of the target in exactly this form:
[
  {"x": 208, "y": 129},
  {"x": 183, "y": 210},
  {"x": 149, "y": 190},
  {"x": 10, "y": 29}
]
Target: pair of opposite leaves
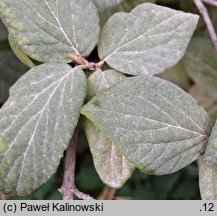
[{"x": 156, "y": 125}]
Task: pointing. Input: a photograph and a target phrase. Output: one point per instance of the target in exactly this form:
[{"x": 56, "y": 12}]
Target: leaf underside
[
  {"x": 148, "y": 40},
  {"x": 111, "y": 165},
  {"x": 36, "y": 124},
  {"x": 157, "y": 126},
  {"x": 48, "y": 30}
]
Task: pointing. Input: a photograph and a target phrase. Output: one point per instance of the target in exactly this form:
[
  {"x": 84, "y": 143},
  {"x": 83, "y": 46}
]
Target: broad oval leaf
[
  {"x": 10, "y": 70},
  {"x": 48, "y": 30},
  {"x": 157, "y": 126},
  {"x": 103, "y": 4},
  {"x": 207, "y": 180},
  {"x": 111, "y": 165},
  {"x": 148, "y": 40},
  {"x": 19, "y": 52},
  {"x": 211, "y": 150},
  {"x": 36, "y": 124},
  {"x": 201, "y": 64}
]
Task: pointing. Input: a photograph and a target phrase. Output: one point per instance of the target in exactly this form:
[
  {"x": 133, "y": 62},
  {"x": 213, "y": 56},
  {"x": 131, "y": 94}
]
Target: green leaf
[
  {"x": 36, "y": 125},
  {"x": 148, "y": 40},
  {"x": 10, "y": 70},
  {"x": 157, "y": 126},
  {"x": 208, "y": 103},
  {"x": 19, "y": 52},
  {"x": 207, "y": 180},
  {"x": 49, "y": 30},
  {"x": 211, "y": 150},
  {"x": 177, "y": 75},
  {"x": 103, "y": 4},
  {"x": 112, "y": 166},
  {"x": 201, "y": 64}
]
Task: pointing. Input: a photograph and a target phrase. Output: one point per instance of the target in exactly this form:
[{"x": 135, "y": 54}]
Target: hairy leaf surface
[
  {"x": 201, "y": 65},
  {"x": 47, "y": 30},
  {"x": 207, "y": 180},
  {"x": 103, "y": 4},
  {"x": 112, "y": 166},
  {"x": 36, "y": 124},
  {"x": 148, "y": 40},
  {"x": 157, "y": 126}
]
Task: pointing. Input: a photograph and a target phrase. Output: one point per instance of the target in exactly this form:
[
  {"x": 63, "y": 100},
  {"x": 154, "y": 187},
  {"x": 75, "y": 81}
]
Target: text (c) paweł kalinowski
[{"x": 53, "y": 207}]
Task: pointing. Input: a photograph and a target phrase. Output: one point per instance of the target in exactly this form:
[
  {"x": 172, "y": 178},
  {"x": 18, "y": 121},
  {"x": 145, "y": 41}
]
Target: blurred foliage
[{"x": 180, "y": 185}]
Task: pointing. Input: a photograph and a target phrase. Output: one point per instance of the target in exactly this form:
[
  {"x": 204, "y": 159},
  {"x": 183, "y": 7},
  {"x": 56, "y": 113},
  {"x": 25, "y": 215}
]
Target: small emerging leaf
[
  {"x": 157, "y": 126},
  {"x": 207, "y": 180},
  {"x": 112, "y": 166},
  {"x": 36, "y": 125},
  {"x": 48, "y": 30},
  {"x": 148, "y": 40},
  {"x": 19, "y": 52}
]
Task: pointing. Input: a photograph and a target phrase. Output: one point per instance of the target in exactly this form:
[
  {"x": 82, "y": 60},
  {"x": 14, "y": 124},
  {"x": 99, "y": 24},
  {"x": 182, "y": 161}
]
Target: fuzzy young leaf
[
  {"x": 36, "y": 125},
  {"x": 201, "y": 64},
  {"x": 10, "y": 70},
  {"x": 47, "y": 30},
  {"x": 112, "y": 166},
  {"x": 157, "y": 126},
  {"x": 148, "y": 40},
  {"x": 207, "y": 180},
  {"x": 103, "y": 4},
  {"x": 211, "y": 150}
]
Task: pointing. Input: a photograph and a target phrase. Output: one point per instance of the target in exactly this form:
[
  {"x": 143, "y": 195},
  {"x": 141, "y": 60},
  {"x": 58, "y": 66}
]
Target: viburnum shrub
[{"x": 131, "y": 118}]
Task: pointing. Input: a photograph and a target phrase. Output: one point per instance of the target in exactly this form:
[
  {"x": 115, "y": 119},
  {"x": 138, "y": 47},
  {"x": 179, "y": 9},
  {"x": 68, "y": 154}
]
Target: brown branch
[
  {"x": 208, "y": 21},
  {"x": 68, "y": 188},
  {"x": 108, "y": 193},
  {"x": 86, "y": 64},
  {"x": 211, "y": 2}
]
